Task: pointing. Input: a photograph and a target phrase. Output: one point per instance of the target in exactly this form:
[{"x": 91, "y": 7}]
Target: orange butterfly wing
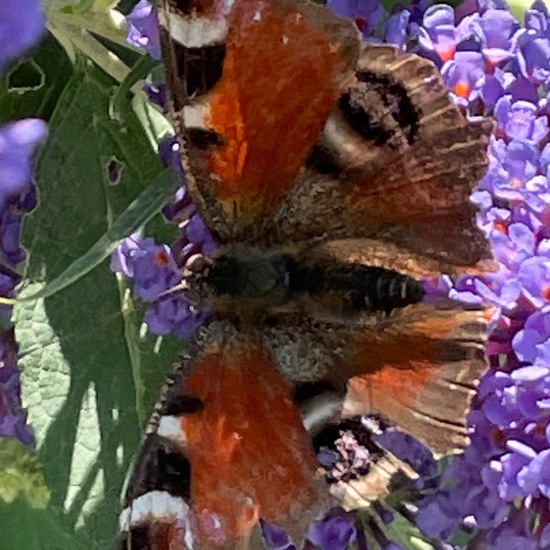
[
  {"x": 417, "y": 368},
  {"x": 284, "y": 67},
  {"x": 421, "y": 375},
  {"x": 250, "y": 454},
  {"x": 282, "y": 74},
  {"x": 302, "y": 138},
  {"x": 226, "y": 448}
]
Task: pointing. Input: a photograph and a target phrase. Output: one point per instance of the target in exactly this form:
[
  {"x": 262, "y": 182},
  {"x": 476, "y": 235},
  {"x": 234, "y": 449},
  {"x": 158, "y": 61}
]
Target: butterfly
[{"x": 335, "y": 177}]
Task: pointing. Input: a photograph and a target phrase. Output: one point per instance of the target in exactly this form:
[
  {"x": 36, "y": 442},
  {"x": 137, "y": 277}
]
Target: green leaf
[
  {"x": 82, "y": 352},
  {"x": 33, "y": 86},
  {"x": 404, "y": 533},
  {"x": 138, "y": 213},
  {"x": 21, "y": 475},
  {"x": 27, "y": 528}
]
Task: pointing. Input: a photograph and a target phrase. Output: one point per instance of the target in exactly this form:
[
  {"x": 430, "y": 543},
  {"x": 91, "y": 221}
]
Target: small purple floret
[
  {"x": 334, "y": 533},
  {"x": 22, "y": 23},
  {"x": 276, "y": 538},
  {"x": 143, "y": 28}
]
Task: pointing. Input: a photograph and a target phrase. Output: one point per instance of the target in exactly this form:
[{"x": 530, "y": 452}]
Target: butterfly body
[
  {"x": 266, "y": 283},
  {"x": 334, "y": 177}
]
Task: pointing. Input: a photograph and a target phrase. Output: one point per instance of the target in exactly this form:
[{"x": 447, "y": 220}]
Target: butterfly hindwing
[
  {"x": 417, "y": 368},
  {"x": 395, "y": 167},
  {"x": 227, "y": 448}
]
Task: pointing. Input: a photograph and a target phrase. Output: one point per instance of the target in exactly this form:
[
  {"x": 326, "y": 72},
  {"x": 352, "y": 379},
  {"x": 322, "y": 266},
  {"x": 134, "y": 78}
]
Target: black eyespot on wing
[
  {"x": 181, "y": 404},
  {"x": 370, "y": 127},
  {"x": 160, "y": 467},
  {"x": 308, "y": 390},
  {"x": 136, "y": 539},
  {"x": 322, "y": 161},
  {"x": 366, "y": 105},
  {"x": 204, "y": 139}
]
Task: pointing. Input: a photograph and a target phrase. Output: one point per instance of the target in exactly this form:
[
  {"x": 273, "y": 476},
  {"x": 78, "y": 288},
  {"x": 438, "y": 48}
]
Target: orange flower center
[
  {"x": 162, "y": 258},
  {"x": 462, "y": 88}
]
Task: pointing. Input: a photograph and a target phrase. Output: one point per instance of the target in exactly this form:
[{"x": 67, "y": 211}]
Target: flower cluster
[
  {"x": 158, "y": 270},
  {"x": 494, "y": 66},
  {"x": 334, "y": 532},
  {"x": 21, "y": 25},
  {"x": 348, "y": 459}
]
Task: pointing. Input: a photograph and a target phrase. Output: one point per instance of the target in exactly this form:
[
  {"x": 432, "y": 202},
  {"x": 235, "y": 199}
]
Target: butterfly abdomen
[
  {"x": 361, "y": 287},
  {"x": 291, "y": 281}
]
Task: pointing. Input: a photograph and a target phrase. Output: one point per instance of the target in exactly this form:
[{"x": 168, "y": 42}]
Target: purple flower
[
  {"x": 397, "y": 28},
  {"x": 533, "y": 60},
  {"x": 11, "y": 250},
  {"x": 122, "y": 258},
  {"x": 404, "y": 24},
  {"x": 173, "y": 314},
  {"x": 143, "y": 28},
  {"x": 169, "y": 153},
  {"x": 440, "y": 38},
  {"x": 276, "y": 538},
  {"x": 519, "y": 120},
  {"x": 18, "y": 142},
  {"x": 499, "y": 29},
  {"x": 409, "y": 450},
  {"x": 524, "y": 472},
  {"x": 514, "y": 533},
  {"x": 511, "y": 166},
  {"x": 199, "y": 235},
  {"x": 519, "y": 88},
  {"x": 158, "y": 270},
  {"x": 536, "y": 332},
  {"x": 464, "y": 75},
  {"x": 367, "y": 14},
  {"x": 438, "y": 32},
  {"x": 156, "y": 277},
  {"x": 439, "y": 517},
  {"x": 334, "y": 533},
  {"x": 534, "y": 277},
  {"x": 21, "y": 26},
  {"x": 156, "y": 91},
  {"x": 145, "y": 261},
  {"x": 470, "y": 493},
  {"x": 155, "y": 270},
  {"x": 13, "y": 418},
  {"x": 512, "y": 247}
]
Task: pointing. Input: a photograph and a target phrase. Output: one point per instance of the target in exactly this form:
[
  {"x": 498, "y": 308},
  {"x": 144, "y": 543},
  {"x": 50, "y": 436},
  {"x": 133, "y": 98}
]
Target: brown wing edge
[{"x": 423, "y": 379}]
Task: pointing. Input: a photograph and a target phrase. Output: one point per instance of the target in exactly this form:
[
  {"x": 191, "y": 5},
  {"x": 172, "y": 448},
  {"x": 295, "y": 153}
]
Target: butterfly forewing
[
  {"x": 395, "y": 164},
  {"x": 288, "y": 59}
]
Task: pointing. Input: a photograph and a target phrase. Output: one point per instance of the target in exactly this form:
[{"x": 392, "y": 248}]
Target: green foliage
[
  {"x": 90, "y": 377},
  {"x": 21, "y": 475}
]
